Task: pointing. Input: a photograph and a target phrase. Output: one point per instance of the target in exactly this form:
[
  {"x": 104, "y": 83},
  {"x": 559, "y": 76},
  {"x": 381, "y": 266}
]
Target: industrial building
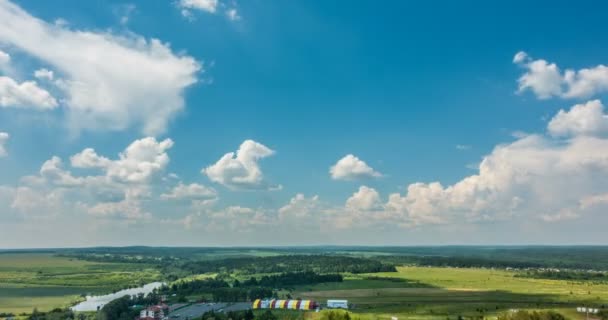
[
  {"x": 285, "y": 304},
  {"x": 157, "y": 312},
  {"x": 337, "y": 304}
]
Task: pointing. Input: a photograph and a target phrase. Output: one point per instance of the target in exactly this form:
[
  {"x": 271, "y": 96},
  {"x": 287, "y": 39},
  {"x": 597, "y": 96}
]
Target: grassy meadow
[
  {"x": 442, "y": 292},
  {"x": 45, "y": 281}
]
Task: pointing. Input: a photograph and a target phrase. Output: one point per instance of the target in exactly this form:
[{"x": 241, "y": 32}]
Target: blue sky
[{"x": 416, "y": 92}]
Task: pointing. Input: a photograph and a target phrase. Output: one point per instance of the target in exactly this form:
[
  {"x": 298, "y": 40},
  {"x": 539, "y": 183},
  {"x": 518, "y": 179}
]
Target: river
[{"x": 93, "y": 302}]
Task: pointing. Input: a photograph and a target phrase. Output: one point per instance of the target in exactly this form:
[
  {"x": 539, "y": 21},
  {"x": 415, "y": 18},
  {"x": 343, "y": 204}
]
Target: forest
[{"x": 250, "y": 289}]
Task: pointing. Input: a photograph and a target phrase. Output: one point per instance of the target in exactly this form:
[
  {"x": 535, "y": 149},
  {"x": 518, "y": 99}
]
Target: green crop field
[
  {"x": 29, "y": 280},
  {"x": 442, "y": 292}
]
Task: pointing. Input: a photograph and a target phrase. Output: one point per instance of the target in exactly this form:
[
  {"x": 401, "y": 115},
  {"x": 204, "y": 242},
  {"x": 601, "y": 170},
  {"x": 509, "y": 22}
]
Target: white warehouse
[{"x": 337, "y": 304}]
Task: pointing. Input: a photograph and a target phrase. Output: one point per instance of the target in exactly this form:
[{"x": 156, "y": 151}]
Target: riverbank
[{"x": 94, "y": 303}]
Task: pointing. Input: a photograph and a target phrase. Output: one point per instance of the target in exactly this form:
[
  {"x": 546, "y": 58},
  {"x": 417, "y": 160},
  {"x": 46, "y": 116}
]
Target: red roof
[{"x": 158, "y": 307}]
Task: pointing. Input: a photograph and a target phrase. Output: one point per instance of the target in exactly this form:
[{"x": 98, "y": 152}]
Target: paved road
[{"x": 198, "y": 309}]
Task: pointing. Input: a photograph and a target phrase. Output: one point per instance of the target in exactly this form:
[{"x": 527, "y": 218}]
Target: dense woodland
[
  {"x": 239, "y": 291},
  {"x": 565, "y": 275},
  {"x": 322, "y": 264},
  {"x": 202, "y": 259},
  {"x": 120, "y": 309}
]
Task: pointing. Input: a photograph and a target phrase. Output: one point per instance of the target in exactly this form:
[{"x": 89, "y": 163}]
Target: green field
[
  {"x": 45, "y": 281},
  {"x": 444, "y": 292}
]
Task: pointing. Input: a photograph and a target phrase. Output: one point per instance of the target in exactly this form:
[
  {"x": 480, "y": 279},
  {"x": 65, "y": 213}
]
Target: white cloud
[
  {"x": 352, "y": 168},
  {"x": 24, "y": 95},
  {"x": 119, "y": 191},
  {"x": 240, "y": 169},
  {"x": 365, "y": 198},
  {"x": 543, "y": 78},
  {"x": 582, "y": 119},
  {"x": 124, "y": 12},
  {"x": 546, "y": 80},
  {"x": 127, "y": 209},
  {"x": 5, "y": 58},
  {"x": 191, "y": 191},
  {"x": 3, "y": 140},
  {"x": 52, "y": 170},
  {"x": 536, "y": 177},
  {"x": 520, "y": 57},
  {"x": 186, "y": 6},
  {"x": 233, "y": 14},
  {"x": 237, "y": 218},
  {"x": 532, "y": 177},
  {"x": 586, "y": 82},
  {"x": 138, "y": 163},
  {"x": 44, "y": 74},
  {"x": 366, "y": 209},
  {"x": 34, "y": 202},
  {"x": 109, "y": 81},
  {"x": 300, "y": 207},
  {"x": 204, "y": 5}
]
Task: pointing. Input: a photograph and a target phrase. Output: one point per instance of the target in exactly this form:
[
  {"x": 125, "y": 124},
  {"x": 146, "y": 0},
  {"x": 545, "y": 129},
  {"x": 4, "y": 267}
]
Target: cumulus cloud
[
  {"x": 3, "y": 140},
  {"x": 191, "y": 191},
  {"x": 25, "y": 95},
  {"x": 108, "y": 81},
  {"x": 541, "y": 77},
  {"x": 237, "y": 218},
  {"x": 137, "y": 163},
  {"x": 300, "y": 207},
  {"x": 187, "y": 6},
  {"x": 582, "y": 119},
  {"x": 129, "y": 209},
  {"x": 240, "y": 169},
  {"x": 546, "y": 80},
  {"x": 533, "y": 177},
  {"x": 352, "y": 168},
  {"x": 365, "y": 198},
  {"x": 365, "y": 208},
  {"x": 52, "y": 170},
  {"x": 34, "y": 202},
  {"x": 204, "y": 5},
  {"x": 118, "y": 190}
]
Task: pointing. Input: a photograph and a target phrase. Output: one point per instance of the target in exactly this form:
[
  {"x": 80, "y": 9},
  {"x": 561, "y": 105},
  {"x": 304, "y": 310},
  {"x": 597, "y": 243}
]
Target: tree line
[
  {"x": 534, "y": 315},
  {"x": 120, "y": 309},
  {"x": 221, "y": 290},
  {"x": 281, "y": 264},
  {"x": 565, "y": 275},
  {"x": 290, "y": 279}
]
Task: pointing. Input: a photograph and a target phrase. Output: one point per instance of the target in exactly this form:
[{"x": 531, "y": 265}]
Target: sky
[{"x": 255, "y": 123}]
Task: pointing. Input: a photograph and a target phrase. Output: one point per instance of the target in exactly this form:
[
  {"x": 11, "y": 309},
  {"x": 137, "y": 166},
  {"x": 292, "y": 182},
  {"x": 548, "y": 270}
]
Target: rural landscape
[
  {"x": 303, "y": 160},
  {"x": 377, "y": 282}
]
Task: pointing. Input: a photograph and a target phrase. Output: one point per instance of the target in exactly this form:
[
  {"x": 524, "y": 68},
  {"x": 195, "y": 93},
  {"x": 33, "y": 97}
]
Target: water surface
[{"x": 93, "y": 302}]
